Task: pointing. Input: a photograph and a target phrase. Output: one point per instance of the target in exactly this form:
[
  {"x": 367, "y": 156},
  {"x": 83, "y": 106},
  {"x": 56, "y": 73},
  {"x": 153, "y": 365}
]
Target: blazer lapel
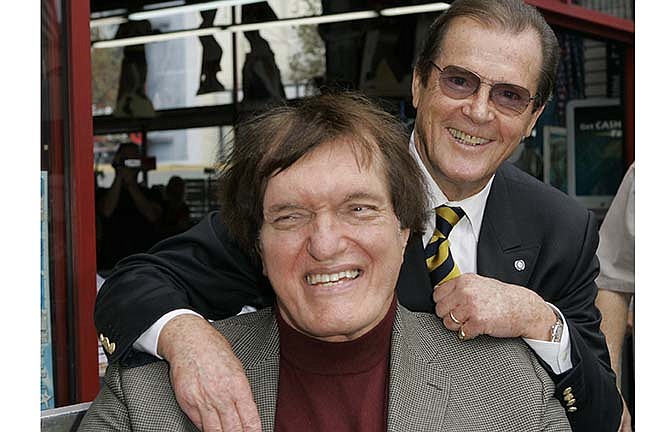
[
  {"x": 501, "y": 252},
  {"x": 261, "y": 361},
  {"x": 419, "y": 390}
]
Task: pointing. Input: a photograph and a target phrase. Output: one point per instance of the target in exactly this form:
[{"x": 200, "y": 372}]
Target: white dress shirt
[{"x": 463, "y": 245}]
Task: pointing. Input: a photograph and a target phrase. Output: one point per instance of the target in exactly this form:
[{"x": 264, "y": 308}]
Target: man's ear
[
  {"x": 259, "y": 251},
  {"x": 536, "y": 115},
  {"x": 417, "y": 88},
  {"x": 404, "y": 235}
]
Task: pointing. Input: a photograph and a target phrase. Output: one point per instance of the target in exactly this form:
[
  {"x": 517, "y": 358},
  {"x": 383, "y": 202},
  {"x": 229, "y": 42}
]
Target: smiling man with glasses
[
  {"x": 526, "y": 252},
  {"x": 504, "y": 255}
]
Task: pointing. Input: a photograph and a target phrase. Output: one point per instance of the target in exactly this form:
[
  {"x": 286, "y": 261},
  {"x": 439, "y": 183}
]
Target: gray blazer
[{"x": 437, "y": 382}]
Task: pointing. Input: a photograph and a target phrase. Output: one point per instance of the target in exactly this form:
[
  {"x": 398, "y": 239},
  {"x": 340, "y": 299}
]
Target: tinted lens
[
  {"x": 510, "y": 96},
  {"x": 458, "y": 83}
]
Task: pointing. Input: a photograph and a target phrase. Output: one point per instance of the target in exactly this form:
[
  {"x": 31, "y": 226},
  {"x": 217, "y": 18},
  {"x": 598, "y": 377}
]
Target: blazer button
[
  {"x": 572, "y": 409},
  {"x": 110, "y": 347},
  {"x": 567, "y": 390}
]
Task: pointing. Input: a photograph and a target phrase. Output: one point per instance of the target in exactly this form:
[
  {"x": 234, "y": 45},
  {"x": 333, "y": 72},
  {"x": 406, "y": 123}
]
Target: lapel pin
[{"x": 520, "y": 265}]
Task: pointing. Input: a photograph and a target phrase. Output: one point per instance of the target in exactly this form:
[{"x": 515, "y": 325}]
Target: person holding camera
[{"x": 128, "y": 211}]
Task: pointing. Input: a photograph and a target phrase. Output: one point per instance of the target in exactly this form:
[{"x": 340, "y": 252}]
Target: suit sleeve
[
  {"x": 201, "y": 269},
  {"x": 591, "y": 382}
]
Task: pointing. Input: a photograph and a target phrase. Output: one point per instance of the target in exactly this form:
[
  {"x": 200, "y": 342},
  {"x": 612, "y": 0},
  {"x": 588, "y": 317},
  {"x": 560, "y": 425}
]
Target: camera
[{"x": 144, "y": 164}]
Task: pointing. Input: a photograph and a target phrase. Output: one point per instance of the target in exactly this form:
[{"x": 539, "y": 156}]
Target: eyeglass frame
[{"x": 487, "y": 82}]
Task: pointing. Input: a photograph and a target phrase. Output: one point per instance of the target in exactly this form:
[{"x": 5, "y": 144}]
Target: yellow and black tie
[{"x": 439, "y": 261}]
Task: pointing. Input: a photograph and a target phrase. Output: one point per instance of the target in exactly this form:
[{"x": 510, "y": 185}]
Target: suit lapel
[
  {"x": 501, "y": 251},
  {"x": 261, "y": 361},
  {"x": 414, "y": 289},
  {"x": 419, "y": 390}
]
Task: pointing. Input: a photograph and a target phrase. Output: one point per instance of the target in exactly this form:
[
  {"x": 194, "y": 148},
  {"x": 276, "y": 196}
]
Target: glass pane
[
  {"x": 175, "y": 172},
  {"x": 247, "y": 69}
]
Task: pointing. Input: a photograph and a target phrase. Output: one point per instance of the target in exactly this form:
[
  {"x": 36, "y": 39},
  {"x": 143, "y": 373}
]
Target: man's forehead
[
  {"x": 491, "y": 50},
  {"x": 352, "y": 152},
  {"x": 331, "y": 170},
  {"x": 492, "y": 24}
]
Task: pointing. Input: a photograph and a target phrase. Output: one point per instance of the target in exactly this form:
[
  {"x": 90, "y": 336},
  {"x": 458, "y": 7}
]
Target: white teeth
[
  {"x": 331, "y": 278},
  {"x": 467, "y": 139}
]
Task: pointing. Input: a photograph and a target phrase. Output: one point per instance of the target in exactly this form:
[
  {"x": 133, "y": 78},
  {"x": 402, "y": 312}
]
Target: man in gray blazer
[{"x": 327, "y": 202}]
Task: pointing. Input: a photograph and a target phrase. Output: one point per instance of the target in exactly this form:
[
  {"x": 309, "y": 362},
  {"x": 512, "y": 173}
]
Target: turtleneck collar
[{"x": 336, "y": 358}]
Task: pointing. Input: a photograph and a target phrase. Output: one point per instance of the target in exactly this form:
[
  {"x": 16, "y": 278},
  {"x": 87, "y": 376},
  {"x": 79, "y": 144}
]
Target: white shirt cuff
[
  {"x": 556, "y": 354},
  {"x": 148, "y": 341},
  {"x": 247, "y": 309}
]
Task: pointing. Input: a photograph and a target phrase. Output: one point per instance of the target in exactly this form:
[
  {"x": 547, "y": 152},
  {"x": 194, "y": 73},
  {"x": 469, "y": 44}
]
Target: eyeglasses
[{"x": 459, "y": 83}]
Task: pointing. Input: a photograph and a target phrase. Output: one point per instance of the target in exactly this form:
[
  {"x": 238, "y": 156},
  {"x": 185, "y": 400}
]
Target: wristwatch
[{"x": 557, "y": 329}]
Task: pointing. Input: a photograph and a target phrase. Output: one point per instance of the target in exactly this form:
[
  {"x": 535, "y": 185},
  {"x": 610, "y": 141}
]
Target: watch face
[{"x": 557, "y": 330}]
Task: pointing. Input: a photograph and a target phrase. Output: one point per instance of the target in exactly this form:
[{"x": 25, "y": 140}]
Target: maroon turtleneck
[{"x": 334, "y": 386}]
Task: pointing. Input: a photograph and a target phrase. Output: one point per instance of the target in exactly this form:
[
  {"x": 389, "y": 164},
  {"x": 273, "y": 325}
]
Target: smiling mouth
[
  {"x": 467, "y": 139},
  {"x": 327, "y": 279}
]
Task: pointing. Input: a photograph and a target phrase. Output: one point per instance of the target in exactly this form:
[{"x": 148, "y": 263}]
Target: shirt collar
[{"x": 473, "y": 206}]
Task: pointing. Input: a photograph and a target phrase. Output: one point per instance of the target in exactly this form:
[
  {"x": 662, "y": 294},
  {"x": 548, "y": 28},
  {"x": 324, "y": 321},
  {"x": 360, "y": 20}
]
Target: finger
[
  {"x": 247, "y": 410},
  {"x": 445, "y": 310},
  {"x": 226, "y": 415},
  {"x": 230, "y": 421},
  {"x": 449, "y": 324},
  {"x": 454, "y": 319},
  {"x": 443, "y": 307},
  {"x": 194, "y": 416},
  {"x": 449, "y": 303},
  {"x": 444, "y": 290},
  {"x": 211, "y": 422},
  {"x": 445, "y": 297},
  {"x": 186, "y": 401},
  {"x": 468, "y": 331},
  {"x": 446, "y": 316}
]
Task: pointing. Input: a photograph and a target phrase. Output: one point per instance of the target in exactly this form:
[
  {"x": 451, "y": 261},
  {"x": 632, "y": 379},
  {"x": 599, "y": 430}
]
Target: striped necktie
[{"x": 439, "y": 261}]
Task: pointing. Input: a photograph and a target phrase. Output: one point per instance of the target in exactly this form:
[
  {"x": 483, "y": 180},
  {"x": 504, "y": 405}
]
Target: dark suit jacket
[
  {"x": 437, "y": 383},
  {"x": 524, "y": 219}
]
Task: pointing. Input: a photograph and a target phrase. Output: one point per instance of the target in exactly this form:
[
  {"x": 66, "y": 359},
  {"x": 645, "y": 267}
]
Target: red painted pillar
[{"x": 82, "y": 201}]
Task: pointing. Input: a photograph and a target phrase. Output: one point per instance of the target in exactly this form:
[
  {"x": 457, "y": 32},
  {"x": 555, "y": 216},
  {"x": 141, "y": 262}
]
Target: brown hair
[
  {"x": 513, "y": 16},
  {"x": 273, "y": 141}
]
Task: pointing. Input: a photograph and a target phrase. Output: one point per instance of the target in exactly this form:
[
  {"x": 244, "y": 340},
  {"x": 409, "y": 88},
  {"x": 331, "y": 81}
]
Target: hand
[
  {"x": 488, "y": 306},
  {"x": 208, "y": 380}
]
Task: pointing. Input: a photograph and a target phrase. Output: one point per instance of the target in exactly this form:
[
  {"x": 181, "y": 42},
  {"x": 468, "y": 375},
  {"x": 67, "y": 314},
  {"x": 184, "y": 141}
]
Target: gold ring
[
  {"x": 453, "y": 318},
  {"x": 461, "y": 334}
]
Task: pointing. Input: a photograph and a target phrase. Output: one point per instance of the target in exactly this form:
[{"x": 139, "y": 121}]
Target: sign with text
[{"x": 595, "y": 150}]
